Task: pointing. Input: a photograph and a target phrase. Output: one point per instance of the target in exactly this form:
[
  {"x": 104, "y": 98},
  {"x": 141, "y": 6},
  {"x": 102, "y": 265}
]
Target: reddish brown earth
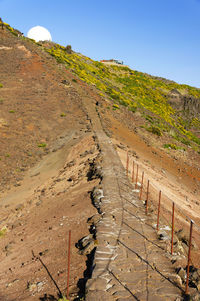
[
  {"x": 45, "y": 191},
  {"x": 170, "y": 173}
]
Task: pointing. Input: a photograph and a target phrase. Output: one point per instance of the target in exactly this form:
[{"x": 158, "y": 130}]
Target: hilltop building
[{"x": 112, "y": 61}]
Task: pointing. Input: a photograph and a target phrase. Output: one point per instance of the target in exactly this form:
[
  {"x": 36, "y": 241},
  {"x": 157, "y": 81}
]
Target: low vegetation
[
  {"x": 3, "y": 232},
  {"x": 136, "y": 90},
  {"x": 42, "y": 145},
  {"x": 173, "y": 146}
]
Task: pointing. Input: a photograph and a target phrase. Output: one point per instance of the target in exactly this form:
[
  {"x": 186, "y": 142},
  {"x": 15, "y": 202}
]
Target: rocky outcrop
[
  {"x": 191, "y": 105},
  {"x": 186, "y": 103}
]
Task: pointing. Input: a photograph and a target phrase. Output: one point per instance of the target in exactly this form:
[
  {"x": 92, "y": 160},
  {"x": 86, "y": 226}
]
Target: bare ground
[{"x": 45, "y": 191}]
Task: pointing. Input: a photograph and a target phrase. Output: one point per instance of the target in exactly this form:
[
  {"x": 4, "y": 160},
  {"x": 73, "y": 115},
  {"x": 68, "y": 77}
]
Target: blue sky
[{"x": 159, "y": 37}]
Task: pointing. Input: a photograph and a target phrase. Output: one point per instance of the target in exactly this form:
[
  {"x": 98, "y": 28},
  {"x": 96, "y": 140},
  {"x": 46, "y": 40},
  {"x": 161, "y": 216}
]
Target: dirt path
[{"x": 129, "y": 263}]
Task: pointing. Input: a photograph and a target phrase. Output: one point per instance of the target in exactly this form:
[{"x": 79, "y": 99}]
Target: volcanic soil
[{"x": 47, "y": 152}]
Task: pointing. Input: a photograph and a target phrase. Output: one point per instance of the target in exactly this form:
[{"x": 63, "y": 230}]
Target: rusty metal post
[
  {"x": 189, "y": 255},
  {"x": 158, "y": 216},
  {"x": 172, "y": 239},
  {"x": 141, "y": 187},
  {"x": 127, "y": 164},
  {"x": 136, "y": 180},
  {"x": 133, "y": 172},
  {"x": 68, "y": 263},
  {"x": 147, "y": 200}
]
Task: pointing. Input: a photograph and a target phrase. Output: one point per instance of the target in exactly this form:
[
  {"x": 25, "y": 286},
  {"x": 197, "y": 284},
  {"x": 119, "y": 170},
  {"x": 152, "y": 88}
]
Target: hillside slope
[
  {"x": 36, "y": 102},
  {"x": 169, "y": 109},
  {"x": 51, "y": 102}
]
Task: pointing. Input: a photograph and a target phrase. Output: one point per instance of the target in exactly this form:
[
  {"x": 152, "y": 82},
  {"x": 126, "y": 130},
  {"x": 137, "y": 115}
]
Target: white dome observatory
[{"x": 39, "y": 33}]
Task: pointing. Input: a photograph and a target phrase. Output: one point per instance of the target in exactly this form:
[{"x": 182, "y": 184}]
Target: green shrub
[
  {"x": 149, "y": 118},
  {"x": 155, "y": 130},
  {"x": 115, "y": 106},
  {"x": 3, "y": 231},
  {"x": 184, "y": 141},
  {"x": 68, "y": 49},
  {"x": 63, "y": 299},
  {"x": 173, "y": 146},
  {"x": 42, "y": 145},
  {"x": 170, "y": 146},
  {"x": 132, "y": 109},
  {"x": 134, "y": 89},
  {"x": 62, "y": 115},
  {"x": 1, "y": 85},
  {"x": 12, "y": 111}
]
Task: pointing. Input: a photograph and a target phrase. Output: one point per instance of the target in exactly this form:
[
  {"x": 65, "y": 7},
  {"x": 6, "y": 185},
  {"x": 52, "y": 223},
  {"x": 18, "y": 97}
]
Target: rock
[
  {"x": 177, "y": 279},
  {"x": 43, "y": 191},
  {"x": 194, "y": 245},
  {"x": 94, "y": 219},
  {"x": 162, "y": 235},
  {"x": 183, "y": 236},
  {"x": 198, "y": 285},
  {"x": 39, "y": 203},
  {"x": 19, "y": 207},
  {"x": 121, "y": 146},
  {"x": 44, "y": 252},
  {"x": 31, "y": 286},
  {"x": 16, "y": 224},
  {"x": 196, "y": 275},
  {"x": 163, "y": 171},
  {"x": 9, "y": 246},
  {"x": 71, "y": 163},
  {"x": 89, "y": 247},
  {"x": 65, "y": 82},
  {"x": 179, "y": 247},
  {"x": 82, "y": 243},
  {"x": 39, "y": 286},
  {"x": 84, "y": 154},
  {"x": 12, "y": 282},
  {"x": 195, "y": 297},
  {"x": 97, "y": 193},
  {"x": 71, "y": 179},
  {"x": 182, "y": 274}
]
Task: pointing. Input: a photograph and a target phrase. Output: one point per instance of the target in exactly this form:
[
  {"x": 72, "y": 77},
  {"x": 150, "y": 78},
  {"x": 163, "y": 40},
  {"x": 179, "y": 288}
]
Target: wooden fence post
[
  {"x": 68, "y": 263},
  {"x": 158, "y": 216}
]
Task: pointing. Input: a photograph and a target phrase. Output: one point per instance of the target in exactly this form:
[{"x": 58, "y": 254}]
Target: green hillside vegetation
[{"x": 137, "y": 91}]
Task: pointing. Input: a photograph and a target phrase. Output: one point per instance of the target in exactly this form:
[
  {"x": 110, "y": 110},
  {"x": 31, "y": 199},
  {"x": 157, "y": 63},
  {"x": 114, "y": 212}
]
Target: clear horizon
[{"x": 160, "y": 38}]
